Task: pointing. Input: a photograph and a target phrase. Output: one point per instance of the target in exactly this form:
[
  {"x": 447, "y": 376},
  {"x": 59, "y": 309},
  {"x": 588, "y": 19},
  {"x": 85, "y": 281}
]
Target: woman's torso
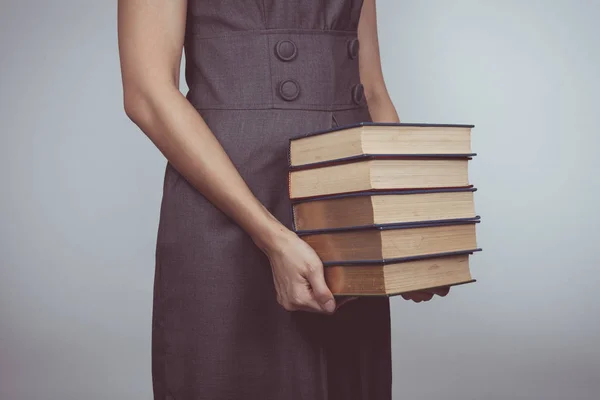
[{"x": 283, "y": 54}]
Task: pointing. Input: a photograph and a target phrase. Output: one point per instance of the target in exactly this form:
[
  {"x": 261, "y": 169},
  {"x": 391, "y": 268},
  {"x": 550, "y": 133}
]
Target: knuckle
[
  {"x": 322, "y": 297},
  {"x": 284, "y": 302},
  {"x": 287, "y": 305},
  {"x": 313, "y": 268},
  {"x": 280, "y": 300},
  {"x": 296, "y": 299}
]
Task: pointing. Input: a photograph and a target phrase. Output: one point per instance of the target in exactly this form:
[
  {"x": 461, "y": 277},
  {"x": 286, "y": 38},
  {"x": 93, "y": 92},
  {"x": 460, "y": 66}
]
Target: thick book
[
  {"x": 397, "y": 278},
  {"x": 392, "y": 243},
  {"x": 364, "y": 209},
  {"x": 371, "y": 138},
  {"x": 380, "y": 173}
]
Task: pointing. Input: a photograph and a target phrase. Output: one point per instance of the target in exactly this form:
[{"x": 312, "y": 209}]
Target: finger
[
  {"x": 420, "y": 296},
  {"x": 443, "y": 291},
  {"x": 417, "y": 297},
  {"x": 407, "y": 296},
  {"x": 411, "y": 295},
  {"x": 312, "y": 306},
  {"x": 426, "y": 296},
  {"x": 301, "y": 301},
  {"x": 304, "y": 299},
  {"x": 307, "y": 302},
  {"x": 320, "y": 290}
]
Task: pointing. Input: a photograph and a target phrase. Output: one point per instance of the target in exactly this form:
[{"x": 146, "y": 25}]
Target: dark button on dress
[{"x": 259, "y": 72}]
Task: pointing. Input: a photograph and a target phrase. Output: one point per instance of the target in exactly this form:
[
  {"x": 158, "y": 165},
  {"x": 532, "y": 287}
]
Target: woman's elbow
[
  {"x": 135, "y": 103},
  {"x": 142, "y": 102}
]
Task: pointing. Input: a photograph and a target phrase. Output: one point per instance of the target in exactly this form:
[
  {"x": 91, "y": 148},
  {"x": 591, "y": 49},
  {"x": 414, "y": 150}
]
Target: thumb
[{"x": 320, "y": 290}]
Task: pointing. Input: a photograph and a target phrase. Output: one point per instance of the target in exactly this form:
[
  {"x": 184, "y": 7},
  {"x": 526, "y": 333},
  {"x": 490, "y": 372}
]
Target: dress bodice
[
  {"x": 286, "y": 54},
  {"x": 218, "y": 17}
]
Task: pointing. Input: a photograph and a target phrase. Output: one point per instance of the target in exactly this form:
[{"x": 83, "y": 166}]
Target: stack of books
[{"x": 388, "y": 207}]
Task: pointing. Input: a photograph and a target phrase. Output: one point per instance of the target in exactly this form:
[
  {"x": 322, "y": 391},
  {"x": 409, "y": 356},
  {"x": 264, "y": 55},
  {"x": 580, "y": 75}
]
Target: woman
[{"x": 241, "y": 307}]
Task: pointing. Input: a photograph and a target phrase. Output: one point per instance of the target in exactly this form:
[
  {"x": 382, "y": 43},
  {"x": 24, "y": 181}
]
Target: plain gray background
[{"x": 81, "y": 189}]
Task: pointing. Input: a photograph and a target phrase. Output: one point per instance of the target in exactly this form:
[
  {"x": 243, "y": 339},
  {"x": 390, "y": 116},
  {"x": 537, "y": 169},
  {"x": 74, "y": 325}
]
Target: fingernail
[{"x": 330, "y": 306}]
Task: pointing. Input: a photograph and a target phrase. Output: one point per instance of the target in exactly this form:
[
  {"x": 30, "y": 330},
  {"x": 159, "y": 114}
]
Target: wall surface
[{"x": 81, "y": 192}]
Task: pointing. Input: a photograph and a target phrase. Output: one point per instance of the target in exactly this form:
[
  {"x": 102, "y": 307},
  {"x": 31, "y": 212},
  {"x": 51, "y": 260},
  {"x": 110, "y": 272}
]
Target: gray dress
[{"x": 259, "y": 72}]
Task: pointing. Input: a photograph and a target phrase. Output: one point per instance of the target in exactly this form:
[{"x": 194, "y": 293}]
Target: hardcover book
[
  {"x": 384, "y": 207},
  {"x": 392, "y": 243},
  {"x": 370, "y": 138},
  {"x": 397, "y": 278},
  {"x": 376, "y": 174}
]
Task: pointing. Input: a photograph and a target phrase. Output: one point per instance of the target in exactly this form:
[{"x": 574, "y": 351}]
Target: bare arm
[
  {"x": 150, "y": 42},
  {"x": 381, "y": 107},
  {"x": 151, "y": 34}
]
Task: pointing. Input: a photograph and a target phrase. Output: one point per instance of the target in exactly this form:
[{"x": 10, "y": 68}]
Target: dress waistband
[{"x": 285, "y": 69}]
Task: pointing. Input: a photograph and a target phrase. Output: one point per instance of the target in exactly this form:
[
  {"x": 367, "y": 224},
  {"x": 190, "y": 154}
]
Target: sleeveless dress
[{"x": 259, "y": 72}]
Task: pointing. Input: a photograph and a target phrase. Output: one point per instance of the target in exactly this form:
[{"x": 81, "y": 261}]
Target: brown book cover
[
  {"x": 368, "y": 208},
  {"x": 397, "y": 278},
  {"x": 364, "y": 139},
  {"x": 379, "y": 173},
  {"x": 393, "y": 243}
]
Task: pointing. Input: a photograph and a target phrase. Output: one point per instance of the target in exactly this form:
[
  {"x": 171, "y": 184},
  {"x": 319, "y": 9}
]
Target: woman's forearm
[
  {"x": 182, "y": 136},
  {"x": 381, "y": 107},
  {"x": 380, "y": 104}
]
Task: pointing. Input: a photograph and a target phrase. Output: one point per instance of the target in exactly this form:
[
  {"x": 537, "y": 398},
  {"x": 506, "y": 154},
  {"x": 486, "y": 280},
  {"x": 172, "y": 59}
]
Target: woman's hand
[
  {"x": 298, "y": 275},
  {"x": 426, "y": 295}
]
